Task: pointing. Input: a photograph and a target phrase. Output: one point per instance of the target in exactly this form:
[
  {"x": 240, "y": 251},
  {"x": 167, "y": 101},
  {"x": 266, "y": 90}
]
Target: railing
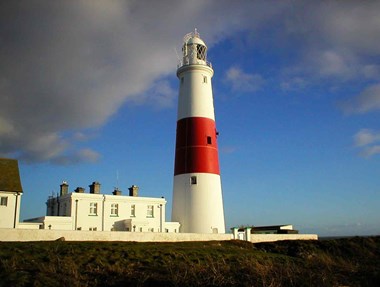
[{"x": 200, "y": 62}]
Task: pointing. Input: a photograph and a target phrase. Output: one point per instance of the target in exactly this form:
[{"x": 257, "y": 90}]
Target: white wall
[
  {"x": 198, "y": 207},
  {"x": 256, "y": 238},
  {"x": 7, "y": 212},
  {"x": 105, "y": 221},
  {"x": 171, "y": 227},
  {"x": 29, "y": 225},
  {"x": 47, "y": 235},
  {"x": 76, "y": 206}
]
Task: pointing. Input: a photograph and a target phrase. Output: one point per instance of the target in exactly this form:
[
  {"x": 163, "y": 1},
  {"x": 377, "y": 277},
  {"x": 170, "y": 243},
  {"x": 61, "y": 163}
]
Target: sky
[{"x": 88, "y": 92}]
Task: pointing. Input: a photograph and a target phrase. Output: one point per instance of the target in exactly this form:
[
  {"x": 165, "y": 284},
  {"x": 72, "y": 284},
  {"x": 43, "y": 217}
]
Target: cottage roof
[{"x": 9, "y": 175}]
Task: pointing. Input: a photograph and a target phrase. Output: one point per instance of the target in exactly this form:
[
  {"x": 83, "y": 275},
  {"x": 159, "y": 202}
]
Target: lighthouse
[{"x": 197, "y": 190}]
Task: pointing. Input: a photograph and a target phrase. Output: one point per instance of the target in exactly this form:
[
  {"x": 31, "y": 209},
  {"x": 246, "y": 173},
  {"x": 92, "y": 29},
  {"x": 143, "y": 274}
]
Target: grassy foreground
[{"x": 342, "y": 262}]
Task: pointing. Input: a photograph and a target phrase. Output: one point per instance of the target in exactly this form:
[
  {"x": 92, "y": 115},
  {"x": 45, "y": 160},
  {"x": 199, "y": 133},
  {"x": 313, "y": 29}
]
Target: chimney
[
  {"x": 116, "y": 191},
  {"x": 95, "y": 187},
  {"x": 79, "y": 190},
  {"x": 133, "y": 190},
  {"x": 64, "y": 188}
]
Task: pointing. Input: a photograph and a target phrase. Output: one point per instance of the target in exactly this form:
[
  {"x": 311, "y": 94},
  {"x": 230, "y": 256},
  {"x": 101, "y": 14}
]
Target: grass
[{"x": 343, "y": 262}]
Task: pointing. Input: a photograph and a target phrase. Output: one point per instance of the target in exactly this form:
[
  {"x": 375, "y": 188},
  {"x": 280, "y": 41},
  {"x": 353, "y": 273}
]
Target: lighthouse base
[{"x": 198, "y": 203}]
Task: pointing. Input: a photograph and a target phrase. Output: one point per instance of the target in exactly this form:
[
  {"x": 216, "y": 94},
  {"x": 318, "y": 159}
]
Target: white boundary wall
[
  {"x": 69, "y": 235},
  {"x": 256, "y": 238}
]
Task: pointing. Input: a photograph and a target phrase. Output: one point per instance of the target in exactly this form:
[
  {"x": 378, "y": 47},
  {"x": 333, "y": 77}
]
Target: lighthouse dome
[
  {"x": 194, "y": 50},
  {"x": 194, "y": 39}
]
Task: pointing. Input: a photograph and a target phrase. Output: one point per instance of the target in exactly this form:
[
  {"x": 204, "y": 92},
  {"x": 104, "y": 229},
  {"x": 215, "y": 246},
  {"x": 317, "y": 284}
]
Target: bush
[{"x": 353, "y": 262}]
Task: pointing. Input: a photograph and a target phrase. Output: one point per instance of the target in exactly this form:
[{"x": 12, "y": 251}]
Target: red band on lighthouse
[{"x": 196, "y": 146}]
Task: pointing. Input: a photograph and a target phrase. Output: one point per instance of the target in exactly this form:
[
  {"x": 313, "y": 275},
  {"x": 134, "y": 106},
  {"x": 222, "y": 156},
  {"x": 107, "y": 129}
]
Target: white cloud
[
  {"x": 365, "y": 137},
  {"x": 80, "y": 136},
  {"x": 296, "y": 83},
  {"x": 228, "y": 149},
  {"x": 160, "y": 94},
  {"x": 331, "y": 63},
  {"x": 241, "y": 81},
  {"x": 368, "y": 100},
  {"x": 367, "y": 140},
  {"x": 370, "y": 151}
]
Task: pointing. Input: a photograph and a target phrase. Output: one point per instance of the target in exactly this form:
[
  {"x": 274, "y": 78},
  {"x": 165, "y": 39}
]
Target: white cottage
[
  {"x": 10, "y": 193},
  {"x": 101, "y": 212}
]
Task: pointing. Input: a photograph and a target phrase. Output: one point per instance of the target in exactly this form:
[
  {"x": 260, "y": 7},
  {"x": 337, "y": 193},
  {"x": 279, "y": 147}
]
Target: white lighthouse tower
[{"x": 197, "y": 191}]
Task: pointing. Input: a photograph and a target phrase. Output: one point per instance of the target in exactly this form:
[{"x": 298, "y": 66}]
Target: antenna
[
  {"x": 176, "y": 52},
  {"x": 196, "y": 34},
  {"x": 117, "y": 179}
]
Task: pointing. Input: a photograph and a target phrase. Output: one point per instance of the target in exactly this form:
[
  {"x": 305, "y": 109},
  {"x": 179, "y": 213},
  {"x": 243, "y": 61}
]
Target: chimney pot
[
  {"x": 133, "y": 190},
  {"x": 95, "y": 187},
  {"x": 64, "y": 188}
]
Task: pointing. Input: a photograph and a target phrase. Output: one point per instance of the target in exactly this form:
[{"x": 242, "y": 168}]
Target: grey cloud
[
  {"x": 352, "y": 24},
  {"x": 69, "y": 65},
  {"x": 83, "y": 155},
  {"x": 349, "y": 26},
  {"x": 337, "y": 40},
  {"x": 371, "y": 71}
]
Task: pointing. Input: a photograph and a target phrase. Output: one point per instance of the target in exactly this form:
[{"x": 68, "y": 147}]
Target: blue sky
[{"x": 88, "y": 92}]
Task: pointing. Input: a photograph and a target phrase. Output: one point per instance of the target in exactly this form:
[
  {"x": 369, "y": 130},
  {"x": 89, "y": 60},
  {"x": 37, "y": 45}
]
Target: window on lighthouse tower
[{"x": 201, "y": 52}]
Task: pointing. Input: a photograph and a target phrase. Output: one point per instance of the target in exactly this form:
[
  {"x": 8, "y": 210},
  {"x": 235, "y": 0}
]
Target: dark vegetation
[{"x": 341, "y": 262}]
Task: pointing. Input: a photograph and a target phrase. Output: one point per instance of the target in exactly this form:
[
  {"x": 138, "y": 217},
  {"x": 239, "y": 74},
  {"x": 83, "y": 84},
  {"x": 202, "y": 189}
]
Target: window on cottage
[
  {"x": 193, "y": 180},
  {"x": 4, "y": 201},
  {"x": 149, "y": 211},
  {"x": 93, "y": 208},
  {"x": 114, "y": 209},
  {"x": 133, "y": 210}
]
